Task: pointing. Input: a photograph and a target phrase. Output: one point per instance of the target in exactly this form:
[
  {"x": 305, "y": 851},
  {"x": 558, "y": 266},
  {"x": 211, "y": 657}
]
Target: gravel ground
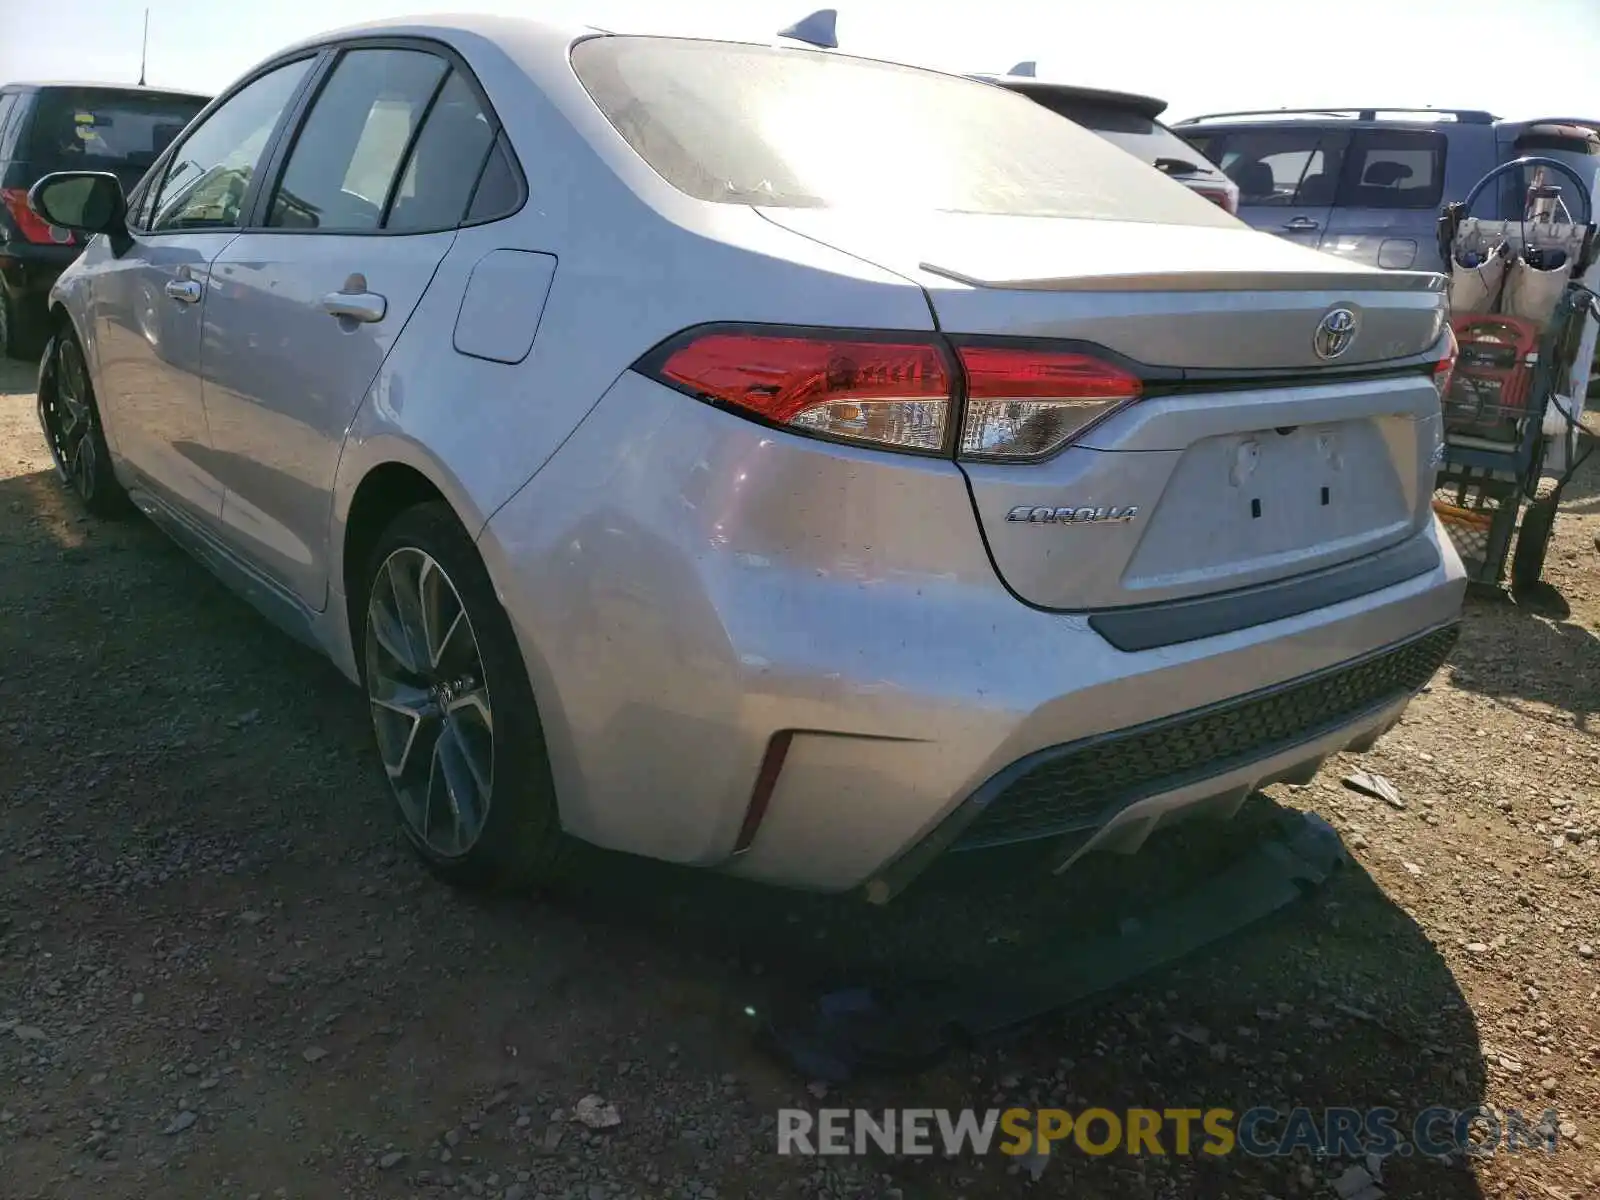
[{"x": 222, "y": 976}]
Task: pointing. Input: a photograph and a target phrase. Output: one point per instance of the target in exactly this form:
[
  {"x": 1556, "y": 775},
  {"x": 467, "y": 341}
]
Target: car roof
[
  {"x": 539, "y": 40},
  {"x": 131, "y": 89},
  {"x": 1145, "y": 106}
]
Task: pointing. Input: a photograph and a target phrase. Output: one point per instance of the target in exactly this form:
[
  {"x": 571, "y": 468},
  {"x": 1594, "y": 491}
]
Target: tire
[
  {"x": 425, "y": 558},
  {"x": 1533, "y": 544},
  {"x": 70, "y": 420},
  {"x": 19, "y": 329}
]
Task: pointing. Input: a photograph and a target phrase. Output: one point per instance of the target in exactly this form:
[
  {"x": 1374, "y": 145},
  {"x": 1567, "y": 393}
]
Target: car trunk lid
[{"x": 1250, "y": 458}]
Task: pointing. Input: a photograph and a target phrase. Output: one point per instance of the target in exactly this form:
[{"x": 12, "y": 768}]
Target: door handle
[
  {"x": 357, "y": 306},
  {"x": 185, "y": 290},
  {"x": 1301, "y": 224},
  {"x": 353, "y": 302}
]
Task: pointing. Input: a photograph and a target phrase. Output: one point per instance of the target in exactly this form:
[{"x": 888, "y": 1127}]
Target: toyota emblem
[{"x": 1336, "y": 332}]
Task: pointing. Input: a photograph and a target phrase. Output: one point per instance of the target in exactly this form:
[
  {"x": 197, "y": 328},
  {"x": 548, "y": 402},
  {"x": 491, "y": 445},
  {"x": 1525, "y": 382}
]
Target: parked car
[
  {"x": 1129, "y": 121},
  {"x": 1367, "y": 184},
  {"x": 57, "y": 126},
  {"x": 754, "y": 457}
]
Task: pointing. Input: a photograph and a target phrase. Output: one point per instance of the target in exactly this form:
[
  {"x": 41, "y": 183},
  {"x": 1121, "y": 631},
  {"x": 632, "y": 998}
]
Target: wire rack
[
  {"x": 1468, "y": 530},
  {"x": 1478, "y": 509}
]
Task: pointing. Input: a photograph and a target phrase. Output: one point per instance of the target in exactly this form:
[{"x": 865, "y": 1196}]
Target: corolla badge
[
  {"x": 1102, "y": 515},
  {"x": 1336, "y": 332}
]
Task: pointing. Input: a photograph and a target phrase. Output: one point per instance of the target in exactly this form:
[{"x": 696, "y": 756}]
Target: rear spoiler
[
  {"x": 1146, "y": 106},
  {"x": 1193, "y": 281}
]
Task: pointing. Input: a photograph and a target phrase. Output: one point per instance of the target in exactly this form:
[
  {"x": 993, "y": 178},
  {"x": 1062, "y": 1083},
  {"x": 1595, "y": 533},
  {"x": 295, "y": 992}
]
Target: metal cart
[{"x": 1513, "y": 407}]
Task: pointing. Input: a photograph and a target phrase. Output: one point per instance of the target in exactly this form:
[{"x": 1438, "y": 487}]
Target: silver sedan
[{"x": 753, "y": 457}]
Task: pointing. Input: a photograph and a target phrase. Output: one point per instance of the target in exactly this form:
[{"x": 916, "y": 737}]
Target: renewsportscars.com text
[{"x": 1258, "y": 1132}]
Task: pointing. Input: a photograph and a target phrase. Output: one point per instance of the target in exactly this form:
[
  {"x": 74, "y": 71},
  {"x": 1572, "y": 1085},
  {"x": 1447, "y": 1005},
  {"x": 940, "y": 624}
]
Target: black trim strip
[
  {"x": 946, "y": 835},
  {"x": 1151, "y": 626}
]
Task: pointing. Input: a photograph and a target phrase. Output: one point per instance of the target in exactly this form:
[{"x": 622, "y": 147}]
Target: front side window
[
  {"x": 349, "y": 152},
  {"x": 209, "y": 175}
]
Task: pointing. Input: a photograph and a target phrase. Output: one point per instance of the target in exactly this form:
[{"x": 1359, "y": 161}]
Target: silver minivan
[{"x": 1367, "y": 184}]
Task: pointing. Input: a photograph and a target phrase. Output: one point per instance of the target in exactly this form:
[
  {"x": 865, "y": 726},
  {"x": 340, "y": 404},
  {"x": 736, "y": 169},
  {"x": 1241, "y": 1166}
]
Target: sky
[{"x": 1200, "y": 57}]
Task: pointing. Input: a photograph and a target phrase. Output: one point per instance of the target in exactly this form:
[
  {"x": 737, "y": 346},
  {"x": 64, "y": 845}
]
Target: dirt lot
[{"x": 221, "y": 975}]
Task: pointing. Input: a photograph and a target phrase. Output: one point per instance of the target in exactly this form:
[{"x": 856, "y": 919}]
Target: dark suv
[{"x": 58, "y": 127}]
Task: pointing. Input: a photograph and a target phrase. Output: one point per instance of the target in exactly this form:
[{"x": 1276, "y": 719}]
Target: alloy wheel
[
  {"x": 430, "y": 702},
  {"x": 69, "y": 421}
]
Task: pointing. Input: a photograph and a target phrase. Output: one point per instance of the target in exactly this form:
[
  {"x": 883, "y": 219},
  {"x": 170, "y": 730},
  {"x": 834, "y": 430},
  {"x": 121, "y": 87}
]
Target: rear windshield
[
  {"x": 108, "y": 128},
  {"x": 737, "y": 124},
  {"x": 1139, "y": 135}
]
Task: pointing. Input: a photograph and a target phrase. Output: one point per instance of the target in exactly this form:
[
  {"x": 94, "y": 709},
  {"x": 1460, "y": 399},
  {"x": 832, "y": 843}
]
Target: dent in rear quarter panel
[{"x": 668, "y": 574}]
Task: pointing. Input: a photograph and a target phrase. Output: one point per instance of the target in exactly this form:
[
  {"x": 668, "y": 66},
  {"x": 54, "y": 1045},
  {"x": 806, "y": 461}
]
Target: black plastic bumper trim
[{"x": 1151, "y": 626}]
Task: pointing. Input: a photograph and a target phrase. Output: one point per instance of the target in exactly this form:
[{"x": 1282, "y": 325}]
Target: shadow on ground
[
  {"x": 237, "y": 733},
  {"x": 1526, "y": 651}
]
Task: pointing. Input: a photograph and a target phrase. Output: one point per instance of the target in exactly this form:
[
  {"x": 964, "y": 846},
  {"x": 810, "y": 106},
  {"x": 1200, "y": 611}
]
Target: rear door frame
[{"x": 308, "y": 589}]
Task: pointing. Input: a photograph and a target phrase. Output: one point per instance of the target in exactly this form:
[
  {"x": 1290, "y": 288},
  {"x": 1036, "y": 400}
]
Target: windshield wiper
[{"x": 1178, "y": 166}]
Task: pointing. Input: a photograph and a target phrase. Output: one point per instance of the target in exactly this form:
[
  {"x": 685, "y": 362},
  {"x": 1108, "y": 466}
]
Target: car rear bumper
[
  {"x": 1111, "y": 792},
  {"x": 30, "y": 270},
  {"x": 698, "y": 597}
]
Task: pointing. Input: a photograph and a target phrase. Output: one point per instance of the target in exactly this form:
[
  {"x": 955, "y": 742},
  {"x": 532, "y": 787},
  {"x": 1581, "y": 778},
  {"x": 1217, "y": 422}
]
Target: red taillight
[
  {"x": 1224, "y": 198},
  {"x": 1445, "y": 367},
  {"x": 892, "y": 393},
  {"x": 1024, "y": 403},
  {"x": 896, "y": 392},
  {"x": 30, "y": 224}
]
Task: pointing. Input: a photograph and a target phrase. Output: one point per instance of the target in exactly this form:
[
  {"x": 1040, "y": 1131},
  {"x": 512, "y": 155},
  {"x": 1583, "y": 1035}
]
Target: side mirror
[{"x": 83, "y": 201}]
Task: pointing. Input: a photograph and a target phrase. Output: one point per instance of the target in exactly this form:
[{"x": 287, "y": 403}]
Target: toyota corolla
[{"x": 754, "y": 457}]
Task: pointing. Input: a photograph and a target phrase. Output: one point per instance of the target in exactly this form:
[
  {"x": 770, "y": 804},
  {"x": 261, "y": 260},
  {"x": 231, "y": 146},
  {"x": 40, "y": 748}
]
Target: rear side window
[
  {"x": 349, "y": 152},
  {"x": 1281, "y": 167},
  {"x": 1394, "y": 168},
  {"x": 105, "y": 128},
  {"x": 794, "y": 128},
  {"x": 445, "y": 162},
  {"x": 500, "y": 186}
]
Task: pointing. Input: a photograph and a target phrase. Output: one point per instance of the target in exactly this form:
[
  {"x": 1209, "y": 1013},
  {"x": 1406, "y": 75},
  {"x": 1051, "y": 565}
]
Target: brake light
[
  {"x": 1224, "y": 198},
  {"x": 30, "y": 224},
  {"x": 1024, "y": 403},
  {"x": 897, "y": 392},
  {"x": 856, "y": 388},
  {"x": 1445, "y": 368}
]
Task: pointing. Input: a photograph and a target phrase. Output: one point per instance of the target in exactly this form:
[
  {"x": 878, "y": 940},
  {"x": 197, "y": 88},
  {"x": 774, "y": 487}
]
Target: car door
[
  {"x": 307, "y": 305},
  {"x": 148, "y": 302},
  {"x": 1287, "y": 176},
  {"x": 1385, "y": 212}
]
